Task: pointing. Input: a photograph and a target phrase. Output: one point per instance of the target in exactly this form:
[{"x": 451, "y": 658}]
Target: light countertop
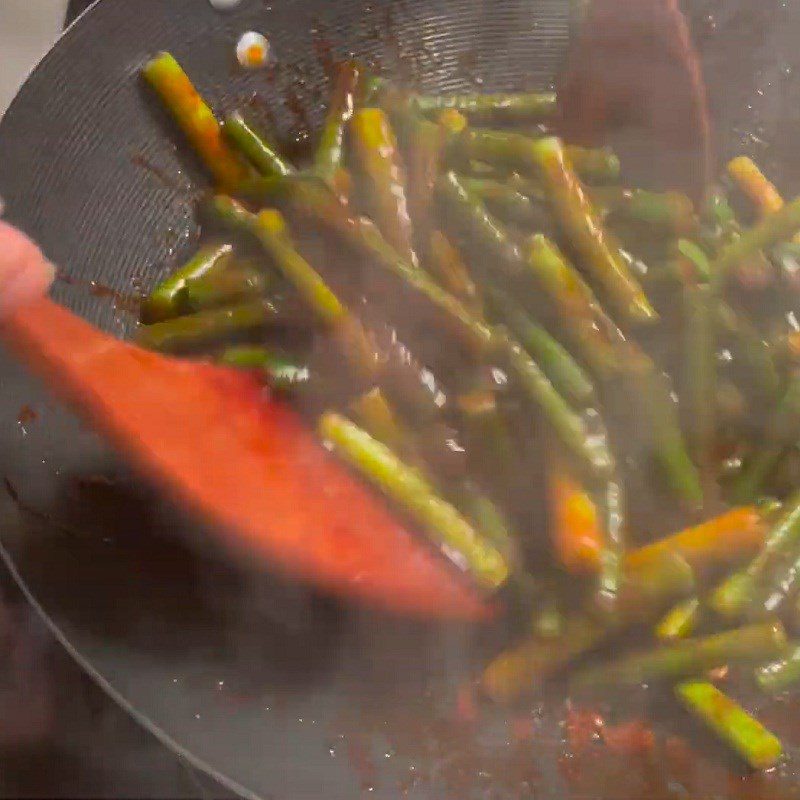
[{"x": 27, "y": 30}]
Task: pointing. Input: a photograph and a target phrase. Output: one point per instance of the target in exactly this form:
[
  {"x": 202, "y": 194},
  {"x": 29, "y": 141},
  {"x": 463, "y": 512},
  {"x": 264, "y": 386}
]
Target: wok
[{"x": 275, "y": 691}]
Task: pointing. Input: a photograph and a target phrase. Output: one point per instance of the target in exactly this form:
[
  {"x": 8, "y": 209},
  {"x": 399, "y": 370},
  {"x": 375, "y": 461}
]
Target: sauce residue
[
  {"x": 169, "y": 181},
  {"x": 26, "y": 415},
  {"x": 129, "y": 303}
]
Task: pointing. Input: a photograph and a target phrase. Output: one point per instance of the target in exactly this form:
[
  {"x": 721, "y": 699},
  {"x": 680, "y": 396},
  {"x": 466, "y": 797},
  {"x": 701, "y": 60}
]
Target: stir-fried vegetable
[
  {"x": 746, "y": 735},
  {"x": 688, "y": 657},
  {"x": 506, "y": 322},
  {"x": 263, "y": 156},
  {"x": 164, "y": 301},
  {"x": 195, "y": 119}
]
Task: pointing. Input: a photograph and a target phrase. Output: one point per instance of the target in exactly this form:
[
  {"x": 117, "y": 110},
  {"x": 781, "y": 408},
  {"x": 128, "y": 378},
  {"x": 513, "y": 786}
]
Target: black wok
[{"x": 276, "y": 691}]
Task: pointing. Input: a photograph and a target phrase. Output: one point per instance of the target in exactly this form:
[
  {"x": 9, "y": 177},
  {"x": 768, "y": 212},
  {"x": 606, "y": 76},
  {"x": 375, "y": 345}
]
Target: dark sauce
[
  {"x": 262, "y": 107},
  {"x": 554, "y": 749},
  {"x": 323, "y": 49},
  {"x": 122, "y": 302},
  {"x": 167, "y": 180},
  {"x": 26, "y": 415},
  {"x": 297, "y": 107},
  {"x": 10, "y": 489},
  {"x": 128, "y": 303}
]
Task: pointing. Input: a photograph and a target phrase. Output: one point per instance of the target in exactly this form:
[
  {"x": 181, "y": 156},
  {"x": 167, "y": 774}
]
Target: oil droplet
[
  {"x": 252, "y": 50},
  {"x": 224, "y": 5}
]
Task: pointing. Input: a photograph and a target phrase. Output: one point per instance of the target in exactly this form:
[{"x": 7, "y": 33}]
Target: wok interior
[{"x": 107, "y": 218}]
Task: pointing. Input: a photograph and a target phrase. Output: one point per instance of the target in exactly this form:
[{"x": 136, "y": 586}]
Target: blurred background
[{"x": 27, "y": 29}]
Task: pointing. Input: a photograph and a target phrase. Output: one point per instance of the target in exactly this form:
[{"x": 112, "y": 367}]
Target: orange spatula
[{"x": 246, "y": 461}]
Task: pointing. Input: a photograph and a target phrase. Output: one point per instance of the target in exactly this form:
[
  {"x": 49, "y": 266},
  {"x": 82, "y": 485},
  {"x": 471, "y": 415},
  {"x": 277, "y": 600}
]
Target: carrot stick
[
  {"x": 576, "y": 527},
  {"x": 731, "y": 537},
  {"x": 755, "y": 185}
]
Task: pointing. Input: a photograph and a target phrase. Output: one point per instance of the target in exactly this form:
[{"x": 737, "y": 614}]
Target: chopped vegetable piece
[
  {"x": 164, "y": 301},
  {"x": 718, "y": 210},
  {"x": 610, "y": 576},
  {"x": 445, "y": 262},
  {"x": 680, "y": 621},
  {"x": 782, "y": 674},
  {"x": 593, "y": 164},
  {"x": 422, "y": 144},
  {"x": 688, "y": 657},
  {"x": 329, "y": 156},
  {"x": 590, "y": 450},
  {"x": 315, "y": 200},
  {"x": 195, "y": 118},
  {"x": 206, "y": 327},
  {"x": 725, "y": 540},
  {"x": 373, "y": 412},
  {"x": 667, "y": 212},
  {"x": 701, "y": 368},
  {"x": 502, "y": 109},
  {"x": 522, "y": 669},
  {"x": 539, "y": 260},
  {"x": 509, "y": 204},
  {"x": 221, "y": 286},
  {"x": 739, "y": 593},
  {"x": 754, "y": 351},
  {"x": 466, "y": 215},
  {"x": 494, "y": 526},
  {"x": 743, "y": 733},
  {"x": 263, "y": 156},
  {"x": 772, "y": 229},
  {"x": 452, "y": 121},
  {"x": 654, "y": 394},
  {"x": 578, "y": 309},
  {"x": 649, "y": 588},
  {"x": 781, "y": 585},
  {"x": 411, "y": 491},
  {"x": 272, "y": 231},
  {"x": 282, "y": 373},
  {"x": 380, "y": 421},
  {"x": 600, "y": 252},
  {"x": 697, "y": 257},
  {"x": 752, "y": 181},
  {"x": 576, "y": 527},
  {"x": 783, "y": 430},
  {"x": 376, "y": 151},
  {"x": 511, "y": 152},
  {"x": 566, "y": 375}
]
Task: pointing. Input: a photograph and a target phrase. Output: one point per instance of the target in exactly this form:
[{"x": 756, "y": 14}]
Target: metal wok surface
[{"x": 276, "y": 691}]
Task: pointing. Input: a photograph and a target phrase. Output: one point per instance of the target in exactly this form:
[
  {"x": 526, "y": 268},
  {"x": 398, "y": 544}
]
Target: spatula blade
[{"x": 245, "y": 461}]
